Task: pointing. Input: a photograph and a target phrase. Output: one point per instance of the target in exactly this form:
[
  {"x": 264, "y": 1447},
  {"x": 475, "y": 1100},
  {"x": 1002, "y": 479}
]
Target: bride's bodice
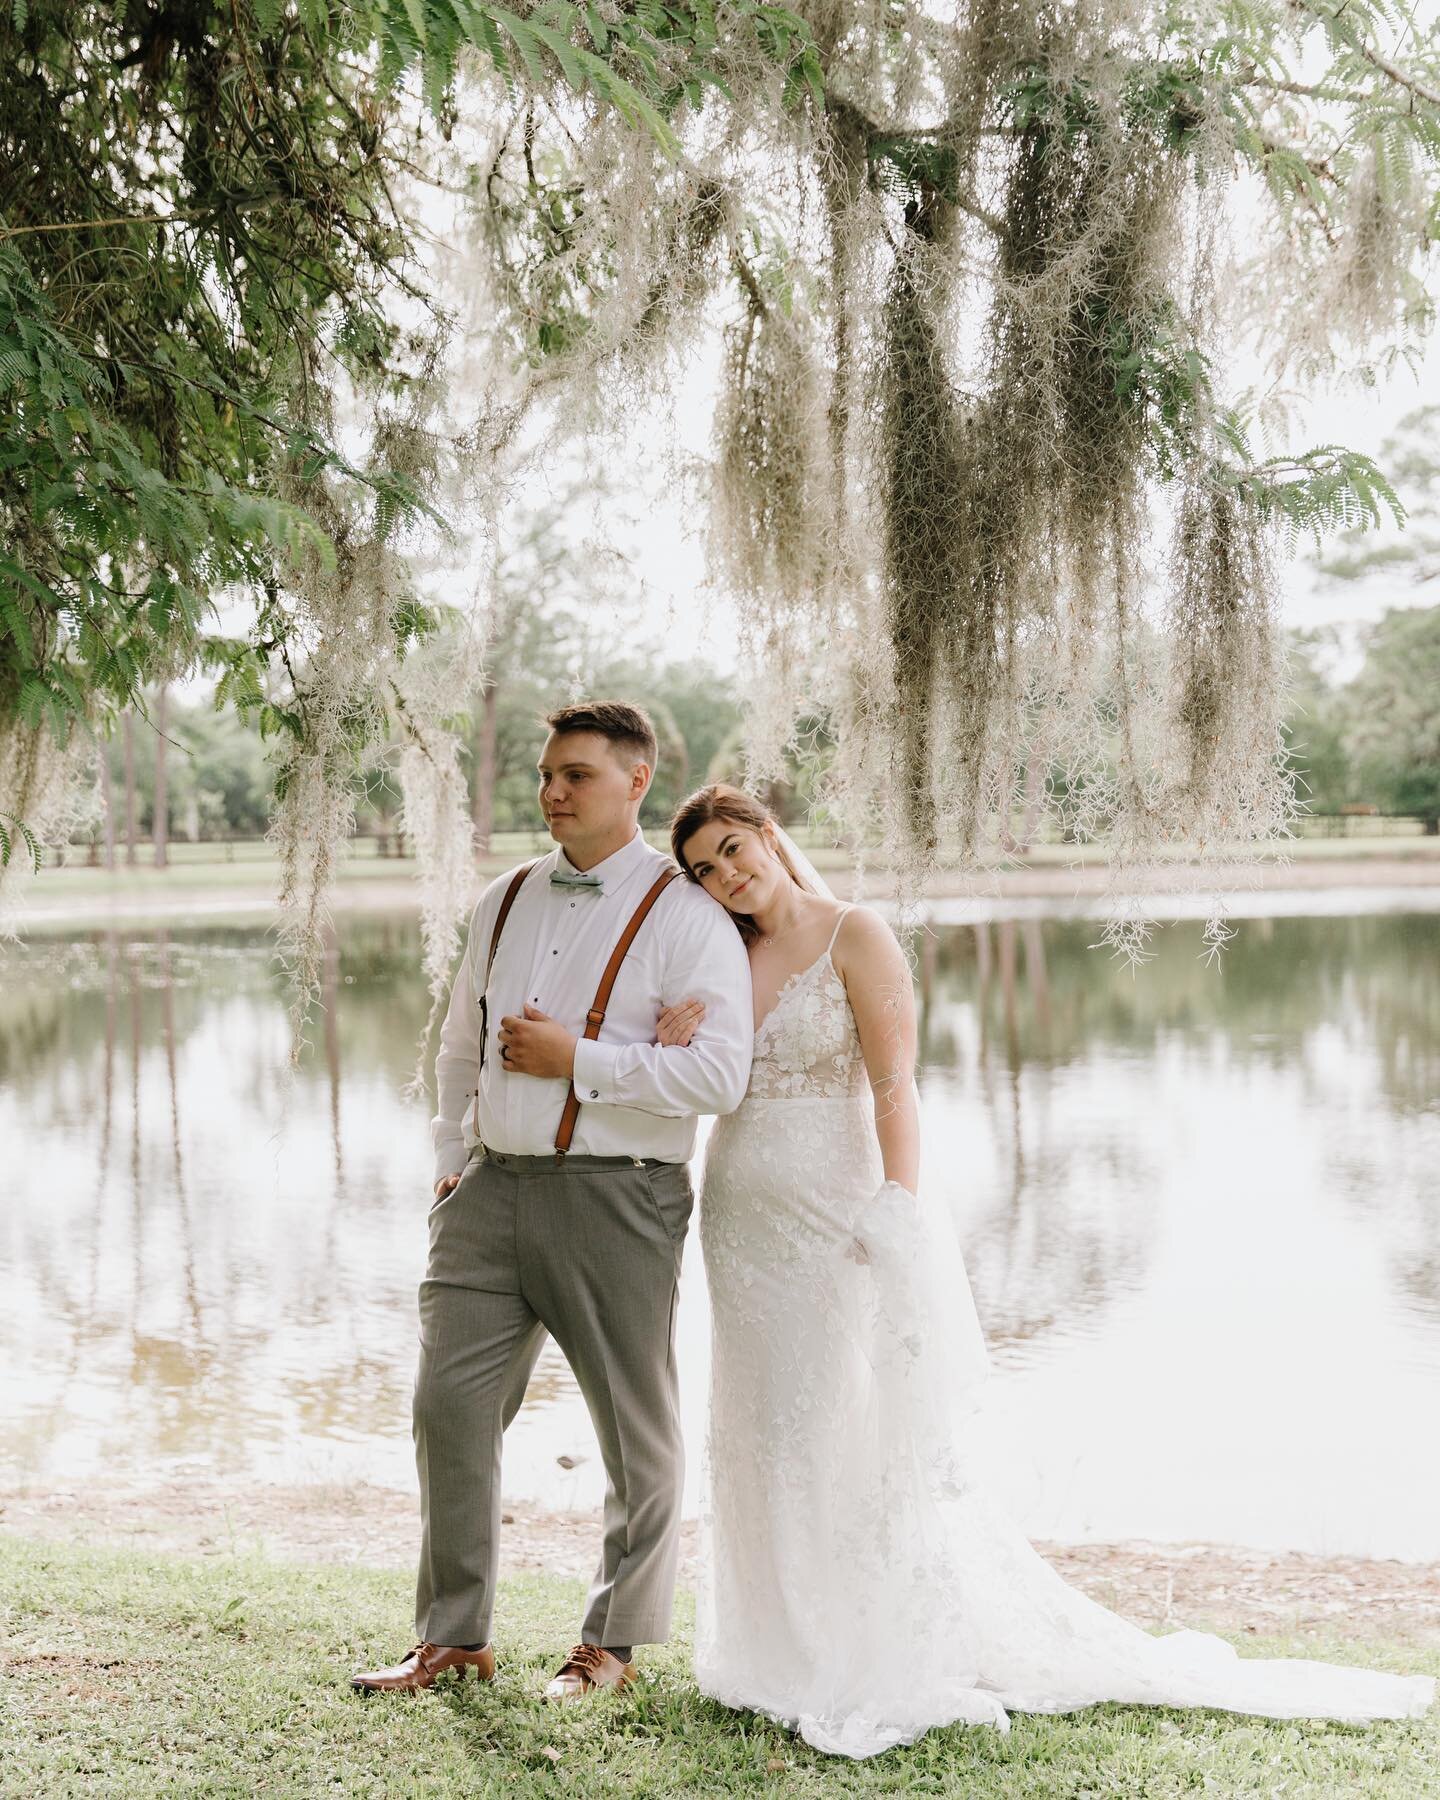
[
  {"x": 807, "y": 1046},
  {"x": 786, "y": 1172}
]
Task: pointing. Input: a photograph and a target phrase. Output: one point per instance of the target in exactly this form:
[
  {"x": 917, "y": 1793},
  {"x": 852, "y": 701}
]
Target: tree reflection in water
[
  {"x": 1062, "y": 1227},
  {"x": 163, "y": 1323},
  {"x": 211, "y": 1259}
]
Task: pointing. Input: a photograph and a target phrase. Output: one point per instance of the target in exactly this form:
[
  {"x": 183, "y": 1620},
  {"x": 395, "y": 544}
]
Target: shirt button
[
  {"x": 594, "y": 1093},
  {"x": 554, "y": 952}
]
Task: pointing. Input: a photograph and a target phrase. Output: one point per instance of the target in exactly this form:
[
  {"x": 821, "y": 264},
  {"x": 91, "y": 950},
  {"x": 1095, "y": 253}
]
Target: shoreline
[
  {"x": 1226, "y": 1587},
  {"x": 1049, "y": 884}
]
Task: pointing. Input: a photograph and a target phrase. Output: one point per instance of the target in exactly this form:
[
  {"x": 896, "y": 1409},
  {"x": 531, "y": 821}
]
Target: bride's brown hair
[{"x": 731, "y": 806}]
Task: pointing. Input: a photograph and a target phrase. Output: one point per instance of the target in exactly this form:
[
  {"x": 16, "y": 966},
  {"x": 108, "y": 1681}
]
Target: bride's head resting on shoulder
[{"x": 726, "y": 841}]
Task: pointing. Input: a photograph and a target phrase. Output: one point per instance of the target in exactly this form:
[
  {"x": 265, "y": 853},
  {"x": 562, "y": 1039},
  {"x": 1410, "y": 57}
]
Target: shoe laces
[{"x": 585, "y": 1657}]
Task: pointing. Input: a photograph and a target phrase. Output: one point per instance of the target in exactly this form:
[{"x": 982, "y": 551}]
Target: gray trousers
[{"x": 587, "y": 1250}]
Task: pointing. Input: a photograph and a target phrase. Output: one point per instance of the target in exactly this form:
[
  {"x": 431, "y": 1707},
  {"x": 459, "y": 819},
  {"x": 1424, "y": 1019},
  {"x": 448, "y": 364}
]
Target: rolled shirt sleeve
[{"x": 705, "y": 961}]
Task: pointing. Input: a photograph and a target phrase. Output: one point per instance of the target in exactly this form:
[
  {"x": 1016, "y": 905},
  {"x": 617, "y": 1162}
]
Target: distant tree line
[
  {"x": 216, "y": 782},
  {"x": 1372, "y": 741},
  {"x": 1375, "y": 740}
]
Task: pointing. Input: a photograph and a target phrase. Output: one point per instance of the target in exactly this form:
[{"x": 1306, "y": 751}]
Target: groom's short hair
[{"x": 627, "y": 727}]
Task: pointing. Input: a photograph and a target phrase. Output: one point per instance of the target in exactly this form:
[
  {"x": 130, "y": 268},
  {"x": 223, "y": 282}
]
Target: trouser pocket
[{"x": 672, "y": 1196}]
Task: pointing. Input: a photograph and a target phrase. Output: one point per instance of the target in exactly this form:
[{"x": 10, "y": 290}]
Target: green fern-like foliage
[
  {"x": 198, "y": 239},
  {"x": 642, "y": 59},
  {"x": 1320, "y": 491},
  {"x": 12, "y": 827}
]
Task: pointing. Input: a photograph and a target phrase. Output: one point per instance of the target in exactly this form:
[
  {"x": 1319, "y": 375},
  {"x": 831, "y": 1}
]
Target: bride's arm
[{"x": 882, "y": 998}]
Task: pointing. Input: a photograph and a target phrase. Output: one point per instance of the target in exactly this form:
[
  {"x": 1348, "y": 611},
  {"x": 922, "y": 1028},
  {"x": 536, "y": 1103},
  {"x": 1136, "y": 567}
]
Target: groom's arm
[
  {"x": 704, "y": 960},
  {"x": 457, "y": 1064}
]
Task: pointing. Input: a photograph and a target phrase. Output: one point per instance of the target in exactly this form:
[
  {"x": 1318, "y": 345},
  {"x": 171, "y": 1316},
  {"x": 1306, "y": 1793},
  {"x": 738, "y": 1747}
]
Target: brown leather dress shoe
[
  {"x": 422, "y": 1665},
  {"x": 587, "y": 1668}
]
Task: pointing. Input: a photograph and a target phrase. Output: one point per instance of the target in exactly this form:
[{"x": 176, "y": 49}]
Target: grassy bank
[{"x": 128, "y": 1675}]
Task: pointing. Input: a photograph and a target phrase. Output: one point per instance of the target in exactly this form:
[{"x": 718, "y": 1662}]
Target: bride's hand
[
  {"x": 888, "y": 1194},
  {"x": 679, "y": 1023}
]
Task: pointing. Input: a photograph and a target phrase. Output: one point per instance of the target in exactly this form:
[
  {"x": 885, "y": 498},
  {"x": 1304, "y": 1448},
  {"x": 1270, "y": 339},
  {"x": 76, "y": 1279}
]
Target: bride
[{"x": 857, "y": 1582}]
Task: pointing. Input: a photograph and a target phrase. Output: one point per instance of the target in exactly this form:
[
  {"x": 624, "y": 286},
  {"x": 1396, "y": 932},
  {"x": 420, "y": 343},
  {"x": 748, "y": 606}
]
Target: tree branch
[
  {"x": 194, "y": 216},
  {"x": 1413, "y": 84},
  {"x": 1417, "y": 88},
  {"x": 1305, "y": 90},
  {"x": 177, "y": 218}
]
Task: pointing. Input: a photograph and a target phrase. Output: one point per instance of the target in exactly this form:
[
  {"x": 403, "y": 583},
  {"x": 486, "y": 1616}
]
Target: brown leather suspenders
[
  {"x": 517, "y": 881},
  {"x": 595, "y": 1018}
]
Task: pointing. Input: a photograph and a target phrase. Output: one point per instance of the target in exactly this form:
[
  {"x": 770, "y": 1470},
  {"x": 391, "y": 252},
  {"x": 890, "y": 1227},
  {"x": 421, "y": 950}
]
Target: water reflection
[
  {"x": 1061, "y": 1226},
  {"x": 184, "y": 1223},
  {"x": 1198, "y": 1207}
]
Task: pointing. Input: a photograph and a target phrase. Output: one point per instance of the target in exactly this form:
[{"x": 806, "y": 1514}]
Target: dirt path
[{"x": 1154, "y": 1584}]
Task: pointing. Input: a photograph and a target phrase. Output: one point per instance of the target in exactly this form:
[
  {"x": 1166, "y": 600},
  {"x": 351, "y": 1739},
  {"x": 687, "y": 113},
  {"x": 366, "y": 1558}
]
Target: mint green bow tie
[{"x": 584, "y": 884}]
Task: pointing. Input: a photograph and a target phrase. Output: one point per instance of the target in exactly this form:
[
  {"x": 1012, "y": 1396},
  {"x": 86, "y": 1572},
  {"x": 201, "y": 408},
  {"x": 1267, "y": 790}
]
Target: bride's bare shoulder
[{"x": 864, "y": 943}]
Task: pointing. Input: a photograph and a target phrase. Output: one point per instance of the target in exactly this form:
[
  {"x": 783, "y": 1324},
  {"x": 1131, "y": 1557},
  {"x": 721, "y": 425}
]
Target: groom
[{"x": 562, "y": 1196}]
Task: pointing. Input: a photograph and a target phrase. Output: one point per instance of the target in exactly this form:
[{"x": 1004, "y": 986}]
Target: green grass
[
  {"x": 126, "y": 1675},
  {"x": 245, "y": 883},
  {"x": 247, "y": 876},
  {"x": 245, "y": 864}
]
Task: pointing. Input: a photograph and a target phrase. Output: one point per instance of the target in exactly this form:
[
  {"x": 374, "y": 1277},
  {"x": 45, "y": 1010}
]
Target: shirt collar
[{"x": 616, "y": 868}]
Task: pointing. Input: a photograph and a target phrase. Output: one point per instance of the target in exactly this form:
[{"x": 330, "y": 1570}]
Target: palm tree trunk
[
  {"x": 160, "y": 827},
  {"x": 107, "y": 790},
  {"x": 129, "y": 741}
]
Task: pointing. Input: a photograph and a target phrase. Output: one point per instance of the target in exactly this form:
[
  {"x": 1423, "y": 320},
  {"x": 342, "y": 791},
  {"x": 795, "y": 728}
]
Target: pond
[{"x": 1200, "y": 1208}]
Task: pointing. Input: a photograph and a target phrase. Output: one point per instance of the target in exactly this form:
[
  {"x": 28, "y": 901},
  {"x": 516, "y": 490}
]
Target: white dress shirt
[{"x": 637, "y": 1098}]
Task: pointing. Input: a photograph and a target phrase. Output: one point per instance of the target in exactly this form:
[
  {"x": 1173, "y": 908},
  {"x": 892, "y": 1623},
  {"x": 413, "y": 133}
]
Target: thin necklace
[{"x": 766, "y": 942}]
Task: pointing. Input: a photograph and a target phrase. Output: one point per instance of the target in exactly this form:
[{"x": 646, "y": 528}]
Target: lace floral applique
[{"x": 806, "y": 1044}]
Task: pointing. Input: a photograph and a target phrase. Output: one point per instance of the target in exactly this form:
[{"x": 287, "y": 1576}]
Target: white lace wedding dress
[{"x": 857, "y": 1583}]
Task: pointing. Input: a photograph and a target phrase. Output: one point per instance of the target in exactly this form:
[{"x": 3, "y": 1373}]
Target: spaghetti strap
[{"x": 844, "y": 914}]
